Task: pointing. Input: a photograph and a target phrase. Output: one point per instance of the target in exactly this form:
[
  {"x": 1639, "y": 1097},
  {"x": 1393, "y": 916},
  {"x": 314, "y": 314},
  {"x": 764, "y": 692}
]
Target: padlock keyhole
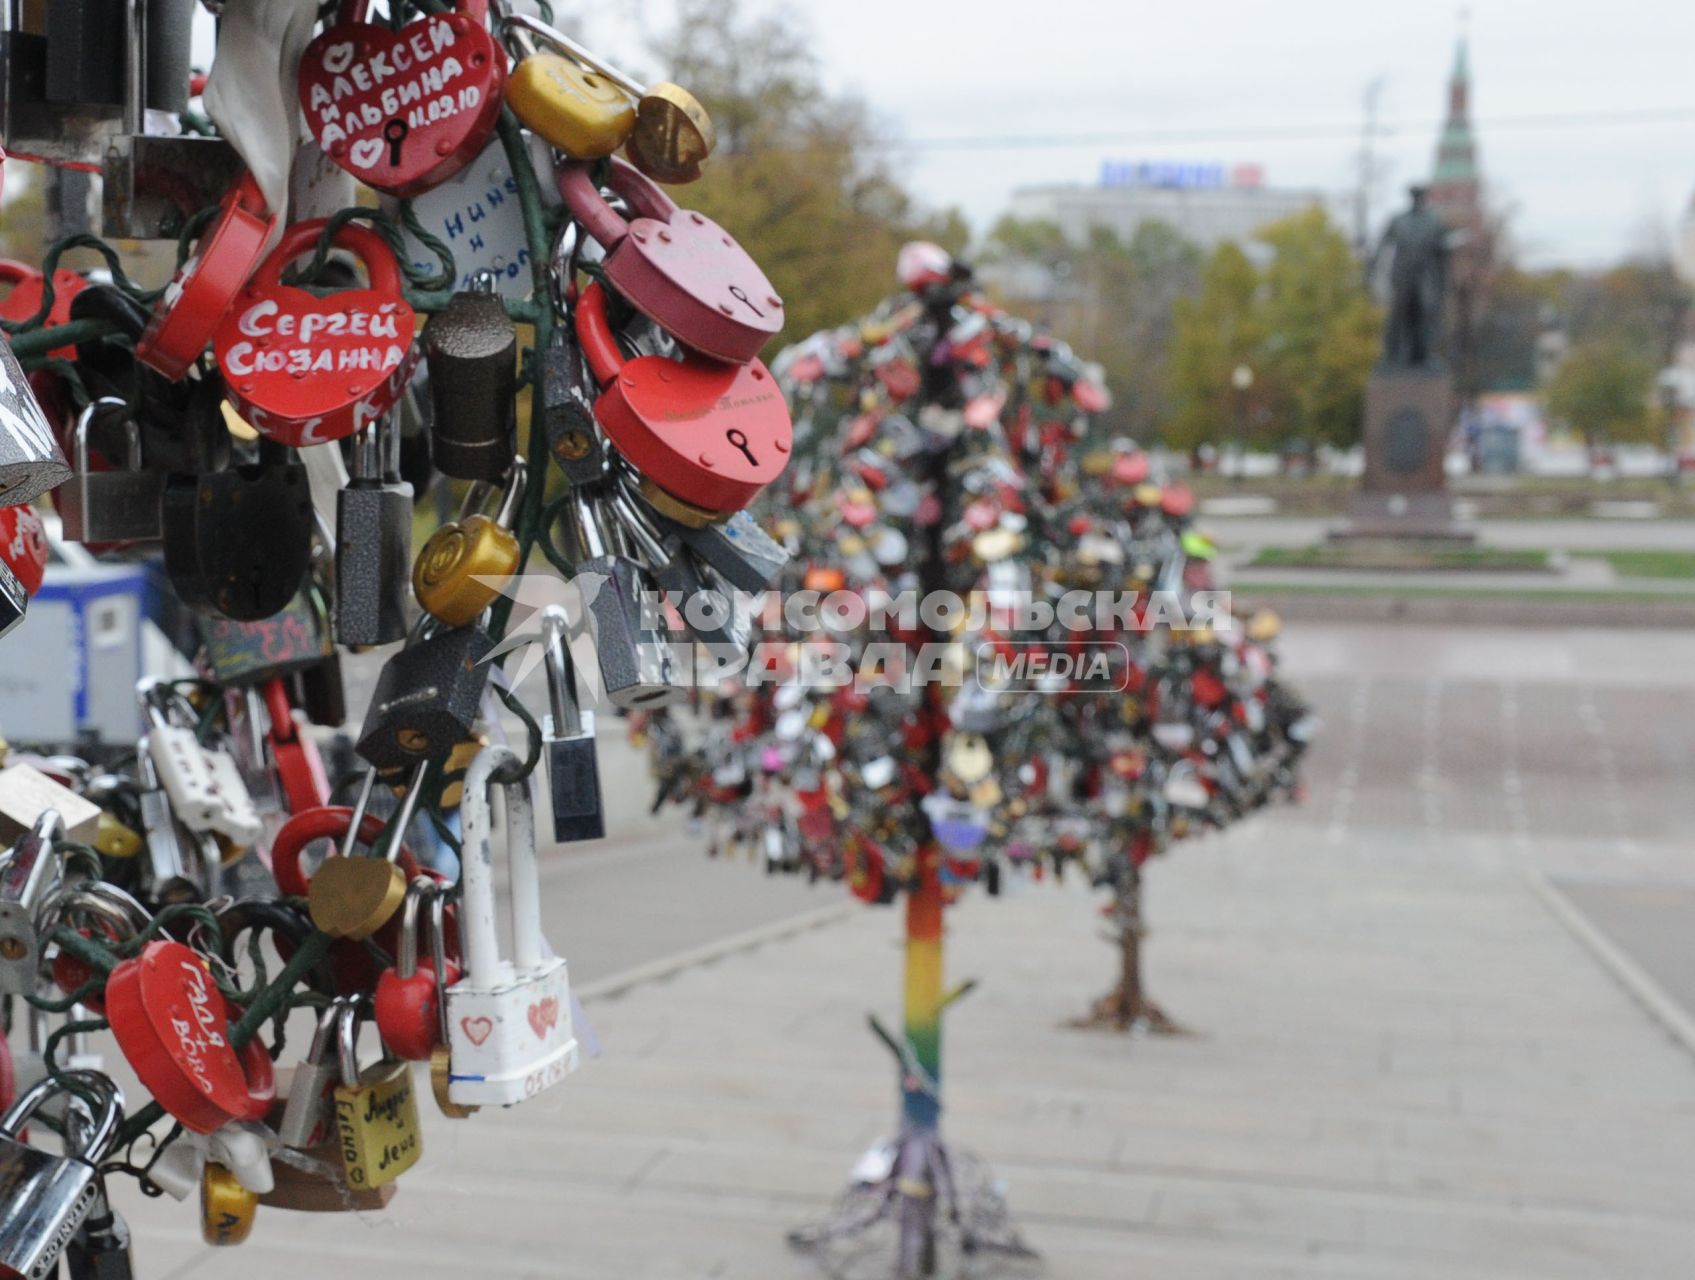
[
  {"x": 740, "y": 295},
  {"x": 738, "y": 437},
  {"x": 394, "y": 133}
]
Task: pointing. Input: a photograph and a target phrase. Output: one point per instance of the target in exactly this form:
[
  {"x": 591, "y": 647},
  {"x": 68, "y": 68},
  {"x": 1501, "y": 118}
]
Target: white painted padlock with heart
[{"x": 510, "y": 1033}]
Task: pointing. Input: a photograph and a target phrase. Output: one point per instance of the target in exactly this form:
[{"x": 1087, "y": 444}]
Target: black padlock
[
  {"x": 31, "y": 462},
  {"x": 240, "y": 540},
  {"x": 14, "y": 600},
  {"x": 471, "y": 348},
  {"x": 323, "y": 695},
  {"x": 373, "y": 546},
  {"x": 573, "y": 767},
  {"x": 427, "y": 696},
  {"x": 573, "y": 437}
]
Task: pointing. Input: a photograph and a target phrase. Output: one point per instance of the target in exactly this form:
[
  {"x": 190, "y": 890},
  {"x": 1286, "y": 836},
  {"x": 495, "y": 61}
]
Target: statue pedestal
[{"x": 1404, "y": 492}]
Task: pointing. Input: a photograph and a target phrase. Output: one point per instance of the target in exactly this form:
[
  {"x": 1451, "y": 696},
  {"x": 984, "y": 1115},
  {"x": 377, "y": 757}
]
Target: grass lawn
[
  {"x": 1652, "y": 564},
  {"x": 1332, "y": 556}
]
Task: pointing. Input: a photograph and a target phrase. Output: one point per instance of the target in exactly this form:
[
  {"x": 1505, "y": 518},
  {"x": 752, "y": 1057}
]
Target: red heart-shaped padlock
[
  {"x": 24, "y": 299},
  {"x": 678, "y": 268},
  {"x": 23, "y": 545},
  {"x": 172, "y": 1023},
  {"x": 196, "y": 301},
  {"x": 306, "y": 370},
  {"x": 404, "y": 110},
  {"x": 709, "y": 433}
]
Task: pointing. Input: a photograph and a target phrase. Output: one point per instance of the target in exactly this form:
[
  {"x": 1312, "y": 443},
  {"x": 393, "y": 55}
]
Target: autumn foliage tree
[
  {"x": 1303, "y": 324},
  {"x": 801, "y": 174}
]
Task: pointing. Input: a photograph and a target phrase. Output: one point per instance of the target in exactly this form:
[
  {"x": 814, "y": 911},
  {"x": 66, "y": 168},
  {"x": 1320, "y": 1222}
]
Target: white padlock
[{"x": 510, "y": 1033}]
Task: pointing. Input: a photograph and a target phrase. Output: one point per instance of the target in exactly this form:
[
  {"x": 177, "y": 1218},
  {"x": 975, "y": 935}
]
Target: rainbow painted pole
[{"x": 921, "y": 1101}]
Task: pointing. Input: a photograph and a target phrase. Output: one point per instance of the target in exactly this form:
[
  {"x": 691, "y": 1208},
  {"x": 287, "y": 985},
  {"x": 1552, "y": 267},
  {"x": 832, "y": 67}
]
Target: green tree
[
  {"x": 1323, "y": 334},
  {"x": 1601, "y": 391},
  {"x": 1216, "y": 331},
  {"x": 1112, "y": 301},
  {"x": 799, "y": 175}
]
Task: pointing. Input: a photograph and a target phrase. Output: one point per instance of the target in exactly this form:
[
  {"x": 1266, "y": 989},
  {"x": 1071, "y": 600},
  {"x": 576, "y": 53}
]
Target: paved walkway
[{"x": 1407, "y": 1065}]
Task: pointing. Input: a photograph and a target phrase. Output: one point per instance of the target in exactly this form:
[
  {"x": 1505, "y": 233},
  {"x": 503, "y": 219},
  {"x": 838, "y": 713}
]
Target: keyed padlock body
[
  {"x": 636, "y": 671},
  {"x": 30, "y": 460},
  {"x": 307, "y": 370},
  {"x": 322, "y": 1186},
  {"x": 712, "y": 434},
  {"x": 240, "y": 541},
  {"x": 377, "y": 1125},
  {"x": 747, "y": 556},
  {"x": 510, "y": 1034},
  {"x": 242, "y": 653},
  {"x": 677, "y": 267},
  {"x": 447, "y": 576},
  {"x": 402, "y": 110},
  {"x": 354, "y": 897},
  {"x": 205, "y": 286},
  {"x": 373, "y": 550},
  {"x": 171, "y": 1022},
  {"x": 471, "y": 347},
  {"x": 43, "y": 1200},
  {"x": 579, "y": 111},
  {"x": 427, "y": 698}
]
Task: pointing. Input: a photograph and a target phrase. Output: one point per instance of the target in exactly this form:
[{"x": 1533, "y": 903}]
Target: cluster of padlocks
[
  {"x": 259, "y": 431},
  {"x": 1087, "y": 714}
]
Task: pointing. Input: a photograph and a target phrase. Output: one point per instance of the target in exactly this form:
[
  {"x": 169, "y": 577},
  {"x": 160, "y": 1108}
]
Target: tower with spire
[{"x": 1456, "y": 190}]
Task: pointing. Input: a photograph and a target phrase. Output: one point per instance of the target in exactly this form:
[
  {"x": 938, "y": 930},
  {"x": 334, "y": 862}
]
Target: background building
[{"x": 1208, "y": 203}]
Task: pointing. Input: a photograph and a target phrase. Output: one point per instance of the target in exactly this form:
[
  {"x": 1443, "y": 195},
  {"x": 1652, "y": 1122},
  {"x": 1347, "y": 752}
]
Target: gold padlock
[
  {"x": 376, "y": 1113},
  {"x": 227, "y": 1209},
  {"x": 114, "y": 839},
  {"x": 578, "y": 111},
  {"x": 464, "y": 564}
]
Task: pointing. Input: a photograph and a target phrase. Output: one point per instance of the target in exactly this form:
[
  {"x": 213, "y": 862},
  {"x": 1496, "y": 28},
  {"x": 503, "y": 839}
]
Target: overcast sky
[{"x": 1585, "y": 112}]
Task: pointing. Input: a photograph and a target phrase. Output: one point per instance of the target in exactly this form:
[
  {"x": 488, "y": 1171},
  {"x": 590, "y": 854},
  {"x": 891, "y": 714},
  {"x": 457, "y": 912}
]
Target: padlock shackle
[
  {"x": 99, "y": 1143},
  {"x": 381, "y": 267},
  {"x": 328, "y": 822},
  {"x": 478, "y": 934},
  {"x": 85, "y": 420},
  {"x": 561, "y": 691},
  {"x": 594, "y": 335},
  {"x": 558, "y": 40},
  {"x": 406, "y": 959},
  {"x": 581, "y": 193},
  {"x": 347, "y": 1041}
]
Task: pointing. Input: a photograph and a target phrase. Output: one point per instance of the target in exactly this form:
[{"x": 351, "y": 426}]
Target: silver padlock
[
  {"x": 305, "y": 1117},
  {"x": 30, "y": 460},
  {"x": 29, "y": 877},
  {"x": 111, "y": 506},
  {"x": 45, "y": 1197},
  {"x": 631, "y": 651}
]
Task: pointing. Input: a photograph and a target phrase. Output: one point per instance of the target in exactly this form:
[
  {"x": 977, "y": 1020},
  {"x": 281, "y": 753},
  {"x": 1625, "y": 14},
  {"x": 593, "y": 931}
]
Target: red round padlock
[
  {"x": 23, "y": 545},
  {"x": 678, "y": 268},
  {"x": 407, "y": 1006},
  {"x": 1129, "y": 468},
  {"x": 205, "y": 287},
  {"x": 711, "y": 434},
  {"x": 1177, "y": 500},
  {"x": 24, "y": 299},
  {"x": 404, "y": 110},
  {"x": 172, "y": 1023},
  {"x": 307, "y": 370}
]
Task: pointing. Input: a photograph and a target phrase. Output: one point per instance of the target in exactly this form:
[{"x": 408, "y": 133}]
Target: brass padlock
[
  {"x": 376, "y": 1113},
  {"x": 227, "y": 1209},
  {"x": 578, "y": 111}
]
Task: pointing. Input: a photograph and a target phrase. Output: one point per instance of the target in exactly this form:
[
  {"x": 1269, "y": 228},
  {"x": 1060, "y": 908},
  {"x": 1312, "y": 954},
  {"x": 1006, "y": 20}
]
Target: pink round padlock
[{"x": 678, "y": 268}]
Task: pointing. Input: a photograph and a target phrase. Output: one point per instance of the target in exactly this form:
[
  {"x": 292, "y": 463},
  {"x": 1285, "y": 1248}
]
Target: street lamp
[{"x": 1243, "y": 380}]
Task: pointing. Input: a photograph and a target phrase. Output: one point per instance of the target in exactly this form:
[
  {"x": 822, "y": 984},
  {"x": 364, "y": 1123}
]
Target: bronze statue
[{"x": 1418, "y": 279}]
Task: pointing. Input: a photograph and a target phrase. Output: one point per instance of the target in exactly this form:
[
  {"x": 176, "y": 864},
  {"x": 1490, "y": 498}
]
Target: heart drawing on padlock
[
  {"x": 306, "y": 370},
  {"x": 477, "y": 1030},
  {"x": 403, "y": 110},
  {"x": 544, "y": 1016}
]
